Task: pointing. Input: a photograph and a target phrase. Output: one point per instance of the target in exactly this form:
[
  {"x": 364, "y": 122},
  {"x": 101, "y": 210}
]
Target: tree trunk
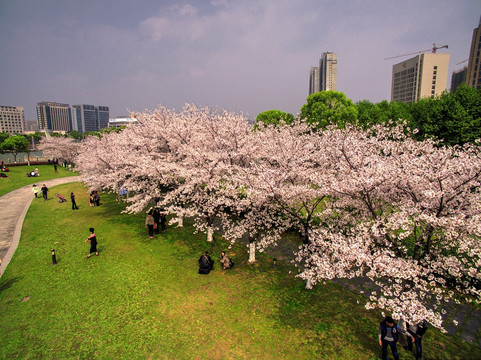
[
  {"x": 252, "y": 252},
  {"x": 306, "y": 239},
  {"x": 210, "y": 233},
  {"x": 309, "y": 283},
  {"x": 180, "y": 221}
]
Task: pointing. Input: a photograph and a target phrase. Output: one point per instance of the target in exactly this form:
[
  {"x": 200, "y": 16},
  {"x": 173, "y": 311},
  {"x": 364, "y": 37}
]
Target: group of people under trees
[
  {"x": 155, "y": 221},
  {"x": 389, "y": 336}
]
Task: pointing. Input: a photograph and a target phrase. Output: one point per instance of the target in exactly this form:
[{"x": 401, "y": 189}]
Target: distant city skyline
[
  {"x": 324, "y": 77},
  {"x": 241, "y": 56}
]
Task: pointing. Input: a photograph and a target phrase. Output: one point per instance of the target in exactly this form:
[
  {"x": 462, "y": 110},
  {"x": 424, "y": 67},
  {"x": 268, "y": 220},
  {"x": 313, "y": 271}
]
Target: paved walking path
[{"x": 13, "y": 208}]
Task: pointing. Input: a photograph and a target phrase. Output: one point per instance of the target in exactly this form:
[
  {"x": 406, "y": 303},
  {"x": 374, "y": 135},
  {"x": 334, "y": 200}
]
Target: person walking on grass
[
  {"x": 74, "y": 204},
  {"x": 149, "y": 223},
  {"x": 44, "y": 191},
  {"x": 389, "y": 335},
  {"x": 93, "y": 243},
  {"x": 416, "y": 332},
  {"x": 35, "y": 190}
]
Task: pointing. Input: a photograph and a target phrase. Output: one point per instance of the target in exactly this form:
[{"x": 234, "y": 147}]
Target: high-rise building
[
  {"x": 458, "y": 78},
  {"x": 314, "y": 80},
  {"x": 53, "y": 116},
  {"x": 90, "y": 117},
  {"x": 324, "y": 77},
  {"x": 473, "y": 78},
  {"x": 12, "y": 119},
  {"x": 328, "y": 71},
  {"x": 421, "y": 76}
]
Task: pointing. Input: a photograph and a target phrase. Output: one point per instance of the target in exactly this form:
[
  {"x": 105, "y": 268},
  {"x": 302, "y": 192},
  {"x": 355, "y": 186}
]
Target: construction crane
[{"x": 433, "y": 50}]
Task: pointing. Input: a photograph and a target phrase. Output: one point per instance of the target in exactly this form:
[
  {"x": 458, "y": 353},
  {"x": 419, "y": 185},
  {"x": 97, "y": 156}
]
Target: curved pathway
[{"x": 13, "y": 208}]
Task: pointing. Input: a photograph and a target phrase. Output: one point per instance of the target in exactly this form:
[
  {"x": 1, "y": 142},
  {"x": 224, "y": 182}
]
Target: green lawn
[
  {"x": 17, "y": 177},
  {"x": 143, "y": 299}
]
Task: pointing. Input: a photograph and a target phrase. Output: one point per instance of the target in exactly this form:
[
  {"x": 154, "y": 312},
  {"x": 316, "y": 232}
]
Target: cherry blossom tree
[
  {"x": 60, "y": 147},
  {"x": 282, "y": 174},
  {"x": 403, "y": 213},
  {"x": 374, "y": 203},
  {"x": 140, "y": 159},
  {"x": 180, "y": 161}
]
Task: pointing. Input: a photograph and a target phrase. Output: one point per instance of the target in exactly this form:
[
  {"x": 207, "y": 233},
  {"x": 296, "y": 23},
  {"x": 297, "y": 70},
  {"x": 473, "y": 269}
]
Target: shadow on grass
[{"x": 4, "y": 285}]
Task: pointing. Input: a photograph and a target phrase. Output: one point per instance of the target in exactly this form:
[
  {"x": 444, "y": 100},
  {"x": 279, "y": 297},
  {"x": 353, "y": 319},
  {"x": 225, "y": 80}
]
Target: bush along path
[{"x": 13, "y": 208}]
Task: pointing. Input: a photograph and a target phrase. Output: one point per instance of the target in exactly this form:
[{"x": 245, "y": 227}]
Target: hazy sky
[{"x": 244, "y": 56}]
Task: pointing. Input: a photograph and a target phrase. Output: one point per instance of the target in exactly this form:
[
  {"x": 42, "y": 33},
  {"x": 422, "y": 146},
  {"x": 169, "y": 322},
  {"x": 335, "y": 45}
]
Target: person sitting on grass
[
  {"x": 226, "y": 261},
  {"x": 93, "y": 243},
  {"x": 206, "y": 264}
]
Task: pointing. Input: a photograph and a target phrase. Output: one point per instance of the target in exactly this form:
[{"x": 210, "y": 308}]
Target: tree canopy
[
  {"x": 15, "y": 144},
  {"x": 273, "y": 117},
  {"x": 453, "y": 118},
  {"x": 328, "y": 108}
]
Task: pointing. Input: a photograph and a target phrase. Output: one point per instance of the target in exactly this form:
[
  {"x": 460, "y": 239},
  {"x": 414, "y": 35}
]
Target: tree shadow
[{"x": 4, "y": 285}]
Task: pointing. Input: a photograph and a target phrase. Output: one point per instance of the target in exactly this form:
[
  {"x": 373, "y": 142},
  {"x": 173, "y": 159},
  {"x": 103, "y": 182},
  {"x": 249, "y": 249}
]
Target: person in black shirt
[
  {"x": 416, "y": 332},
  {"x": 206, "y": 264},
  {"x": 163, "y": 220},
  {"x": 388, "y": 336},
  {"x": 93, "y": 243},
  {"x": 44, "y": 190},
  {"x": 74, "y": 204}
]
